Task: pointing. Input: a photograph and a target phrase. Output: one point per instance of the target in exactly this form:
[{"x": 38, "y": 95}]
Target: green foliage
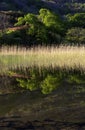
[
  {"x": 11, "y": 37},
  {"x": 76, "y": 79},
  {"x": 49, "y": 80},
  {"x": 76, "y": 20},
  {"x": 46, "y": 28},
  {"x": 51, "y": 20},
  {"x": 43, "y": 28},
  {"x": 28, "y": 84},
  {"x": 46, "y": 81},
  {"x": 31, "y": 19},
  {"x": 49, "y": 84},
  {"x": 21, "y": 21},
  {"x": 36, "y": 30},
  {"x": 75, "y": 35},
  {"x": 33, "y": 83}
]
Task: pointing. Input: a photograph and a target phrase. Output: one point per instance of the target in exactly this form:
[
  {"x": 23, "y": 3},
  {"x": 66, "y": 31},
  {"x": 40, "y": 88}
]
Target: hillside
[{"x": 60, "y": 6}]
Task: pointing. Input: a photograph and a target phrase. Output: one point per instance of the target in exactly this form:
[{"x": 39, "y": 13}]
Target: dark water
[{"x": 63, "y": 109}]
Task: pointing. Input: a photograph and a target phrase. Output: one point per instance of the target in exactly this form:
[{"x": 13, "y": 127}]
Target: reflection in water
[
  {"x": 59, "y": 105},
  {"x": 60, "y": 108},
  {"x": 17, "y": 123},
  {"x": 57, "y": 110}
]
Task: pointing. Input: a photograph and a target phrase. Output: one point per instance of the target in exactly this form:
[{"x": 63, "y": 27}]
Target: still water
[{"x": 63, "y": 109}]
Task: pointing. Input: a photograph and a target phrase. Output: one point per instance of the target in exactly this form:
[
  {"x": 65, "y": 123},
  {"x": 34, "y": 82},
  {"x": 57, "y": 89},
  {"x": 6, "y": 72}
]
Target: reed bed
[{"x": 62, "y": 57}]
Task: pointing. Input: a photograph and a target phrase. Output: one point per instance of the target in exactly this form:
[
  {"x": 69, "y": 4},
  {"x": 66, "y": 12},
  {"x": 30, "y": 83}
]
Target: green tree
[
  {"x": 36, "y": 29},
  {"x": 45, "y": 28},
  {"x": 75, "y": 36},
  {"x": 76, "y": 20},
  {"x": 20, "y": 21},
  {"x": 54, "y": 25},
  {"x": 51, "y": 20}
]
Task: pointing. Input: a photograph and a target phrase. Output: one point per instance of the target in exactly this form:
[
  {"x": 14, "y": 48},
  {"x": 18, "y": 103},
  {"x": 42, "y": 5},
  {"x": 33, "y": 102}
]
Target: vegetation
[
  {"x": 44, "y": 68},
  {"x": 42, "y": 61},
  {"x": 75, "y": 36},
  {"x": 37, "y": 29},
  {"x": 63, "y": 56},
  {"x": 45, "y": 28},
  {"x": 48, "y": 29},
  {"x": 47, "y": 80}
]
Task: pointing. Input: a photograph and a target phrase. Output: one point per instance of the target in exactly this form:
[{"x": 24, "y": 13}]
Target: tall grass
[{"x": 63, "y": 56}]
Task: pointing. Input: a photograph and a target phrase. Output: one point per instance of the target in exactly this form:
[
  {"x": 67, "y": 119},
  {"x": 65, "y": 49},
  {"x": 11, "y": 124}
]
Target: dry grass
[{"x": 68, "y": 57}]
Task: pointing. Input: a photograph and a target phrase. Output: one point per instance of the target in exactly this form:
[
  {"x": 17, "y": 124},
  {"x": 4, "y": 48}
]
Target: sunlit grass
[{"x": 68, "y": 57}]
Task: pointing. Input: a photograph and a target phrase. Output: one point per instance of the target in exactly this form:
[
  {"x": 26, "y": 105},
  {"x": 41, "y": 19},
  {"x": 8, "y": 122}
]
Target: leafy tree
[
  {"x": 31, "y": 19},
  {"x": 21, "y": 21},
  {"x": 36, "y": 29},
  {"x": 51, "y": 20},
  {"x": 75, "y": 36},
  {"x": 76, "y": 20},
  {"x": 45, "y": 28}
]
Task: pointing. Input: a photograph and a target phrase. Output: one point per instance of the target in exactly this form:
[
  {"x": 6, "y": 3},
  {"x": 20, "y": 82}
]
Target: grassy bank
[
  {"x": 62, "y": 57},
  {"x": 43, "y": 68}
]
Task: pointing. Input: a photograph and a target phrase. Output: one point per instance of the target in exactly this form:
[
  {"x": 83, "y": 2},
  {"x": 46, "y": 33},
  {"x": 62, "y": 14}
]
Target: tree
[
  {"x": 75, "y": 36},
  {"x": 54, "y": 25},
  {"x": 51, "y": 20},
  {"x": 36, "y": 29},
  {"x": 20, "y": 21},
  {"x": 45, "y": 28},
  {"x": 76, "y": 20}
]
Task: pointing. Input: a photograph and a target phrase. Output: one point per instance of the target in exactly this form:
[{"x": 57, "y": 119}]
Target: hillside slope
[{"x": 60, "y": 6}]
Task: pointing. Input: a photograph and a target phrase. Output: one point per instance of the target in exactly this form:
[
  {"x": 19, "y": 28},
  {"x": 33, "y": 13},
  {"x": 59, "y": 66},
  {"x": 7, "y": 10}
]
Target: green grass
[{"x": 62, "y": 57}]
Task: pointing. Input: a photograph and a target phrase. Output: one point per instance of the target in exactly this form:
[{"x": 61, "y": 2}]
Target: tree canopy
[{"x": 76, "y": 20}]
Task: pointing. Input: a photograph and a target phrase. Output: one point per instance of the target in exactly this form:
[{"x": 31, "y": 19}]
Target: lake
[{"x": 63, "y": 109}]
